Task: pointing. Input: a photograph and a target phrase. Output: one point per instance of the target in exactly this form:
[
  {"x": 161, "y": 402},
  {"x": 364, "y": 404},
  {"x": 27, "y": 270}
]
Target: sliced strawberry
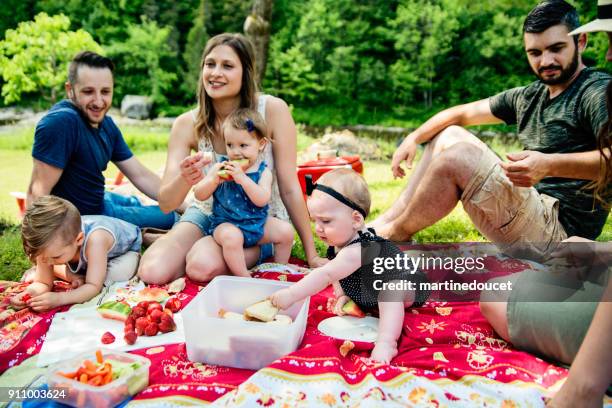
[
  {"x": 156, "y": 315},
  {"x": 130, "y": 337},
  {"x": 130, "y": 320},
  {"x": 173, "y": 304},
  {"x": 166, "y": 326},
  {"x": 107, "y": 338},
  {"x": 151, "y": 329},
  {"x": 144, "y": 304},
  {"x": 139, "y": 311},
  {"x": 154, "y": 306}
]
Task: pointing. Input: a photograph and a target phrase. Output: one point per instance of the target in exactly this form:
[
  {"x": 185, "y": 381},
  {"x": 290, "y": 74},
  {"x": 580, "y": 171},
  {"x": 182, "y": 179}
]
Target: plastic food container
[
  {"x": 109, "y": 395},
  {"x": 235, "y": 343}
]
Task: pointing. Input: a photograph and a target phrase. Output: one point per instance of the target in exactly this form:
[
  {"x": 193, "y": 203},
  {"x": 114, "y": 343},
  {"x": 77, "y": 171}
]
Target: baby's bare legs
[
  {"x": 281, "y": 234},
  {"x": 389, "y": 330},
  {"x": 231, "y": 240}
]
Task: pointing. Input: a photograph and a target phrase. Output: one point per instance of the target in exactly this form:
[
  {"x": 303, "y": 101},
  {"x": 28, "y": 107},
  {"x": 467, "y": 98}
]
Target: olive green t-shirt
[{"x": 566, "y": 124}]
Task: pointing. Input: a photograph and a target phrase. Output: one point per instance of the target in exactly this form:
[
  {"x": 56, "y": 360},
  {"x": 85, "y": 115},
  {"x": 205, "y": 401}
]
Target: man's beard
[
  {"x": 565, "y": 75},
  {"x": 81, "y": 108}
]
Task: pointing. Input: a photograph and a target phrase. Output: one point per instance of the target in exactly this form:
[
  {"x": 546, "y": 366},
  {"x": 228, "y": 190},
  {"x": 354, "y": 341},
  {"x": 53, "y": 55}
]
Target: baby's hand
[
  {"x": 339, "y": 304},
  {"x": 384, "y": 352},
  {"x": 282, "y": 299},
  {"x": 45, "y": 301},
  {"x": 213, "y": 173},
  {"x": 235, "y": 170}
]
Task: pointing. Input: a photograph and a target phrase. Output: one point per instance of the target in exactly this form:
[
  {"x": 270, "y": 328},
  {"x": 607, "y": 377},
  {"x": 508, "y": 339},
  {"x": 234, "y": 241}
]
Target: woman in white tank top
[{"x": 227, "y": 82}]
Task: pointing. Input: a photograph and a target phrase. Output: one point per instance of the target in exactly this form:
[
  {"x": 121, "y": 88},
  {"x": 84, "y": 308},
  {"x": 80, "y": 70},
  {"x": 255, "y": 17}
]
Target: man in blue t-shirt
[{"x": 75, "y": 141}]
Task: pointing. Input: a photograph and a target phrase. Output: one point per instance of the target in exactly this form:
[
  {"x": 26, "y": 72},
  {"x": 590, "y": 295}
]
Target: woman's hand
[
  {"x": 191, "y": 167},
  {"x": 282, "y": 299}
]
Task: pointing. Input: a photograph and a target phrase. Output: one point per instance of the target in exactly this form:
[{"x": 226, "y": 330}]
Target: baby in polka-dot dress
[
  {"x": 338, "y": 205},
  {"x": 241, "y": 188}
]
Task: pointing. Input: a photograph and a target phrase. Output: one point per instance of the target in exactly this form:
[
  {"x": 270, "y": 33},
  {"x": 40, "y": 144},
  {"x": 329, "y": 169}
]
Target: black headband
[
  {"x": 310, "y": 187},
  {"x": 604, "y": 12}
]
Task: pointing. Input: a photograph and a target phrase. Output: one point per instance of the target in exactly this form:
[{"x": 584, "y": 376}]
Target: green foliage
[
  {"x": 143, "y": 61},
  {"x": 423, "y": 35},
  {"x": 336, "y": 61},
  {"x": 196, "y": 40},
  {"x": 14, "y": 11},
  {"x": 13, "y": 261},
  {"x": 35, "y": 56}
]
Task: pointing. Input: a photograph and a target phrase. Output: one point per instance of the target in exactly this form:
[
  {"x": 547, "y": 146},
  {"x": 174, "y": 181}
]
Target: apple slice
[{"x": 351, "y": 309}]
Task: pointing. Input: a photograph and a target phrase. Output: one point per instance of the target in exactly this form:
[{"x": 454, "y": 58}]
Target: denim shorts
[{"x": 201, "y": 220}]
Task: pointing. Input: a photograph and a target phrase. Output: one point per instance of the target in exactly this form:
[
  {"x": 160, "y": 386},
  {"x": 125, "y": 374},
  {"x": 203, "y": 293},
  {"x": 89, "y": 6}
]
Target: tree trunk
[{"x": 257, "y": 29}]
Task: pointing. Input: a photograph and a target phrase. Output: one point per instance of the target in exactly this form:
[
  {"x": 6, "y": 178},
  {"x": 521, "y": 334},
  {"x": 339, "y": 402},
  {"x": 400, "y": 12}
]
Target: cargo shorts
[{"x": 515, "y": 218}]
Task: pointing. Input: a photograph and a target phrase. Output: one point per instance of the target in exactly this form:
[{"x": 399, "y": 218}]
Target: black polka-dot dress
[{"x": 359, "y": 286}]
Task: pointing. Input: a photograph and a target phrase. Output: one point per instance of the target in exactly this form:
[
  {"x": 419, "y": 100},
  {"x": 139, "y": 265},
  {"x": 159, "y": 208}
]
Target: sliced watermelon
[{"x": 114, "y": 310}]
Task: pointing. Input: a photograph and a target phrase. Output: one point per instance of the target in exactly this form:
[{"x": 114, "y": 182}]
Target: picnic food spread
[{"x": 147, "y": 318}]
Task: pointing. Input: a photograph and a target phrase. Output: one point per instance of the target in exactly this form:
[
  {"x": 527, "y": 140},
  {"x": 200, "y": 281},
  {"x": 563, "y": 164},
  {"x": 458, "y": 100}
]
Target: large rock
[
  {"x": 346, "y": 144},
  {"x": 136, "y": 106}
]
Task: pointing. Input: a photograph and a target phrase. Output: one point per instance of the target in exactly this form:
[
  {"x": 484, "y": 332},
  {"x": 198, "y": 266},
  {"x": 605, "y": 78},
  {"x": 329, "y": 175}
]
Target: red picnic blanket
[{"x": 448, "y": 355}]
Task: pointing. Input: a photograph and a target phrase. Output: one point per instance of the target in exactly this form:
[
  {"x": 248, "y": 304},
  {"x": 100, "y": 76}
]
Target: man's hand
[
  {"x": 526, "y": 168},
  {"x": 191, "y": 167},
  {"x": 45, "y": 301},
  {"x": 282, "y": 299},
  {"x": 406, "y": 151}
]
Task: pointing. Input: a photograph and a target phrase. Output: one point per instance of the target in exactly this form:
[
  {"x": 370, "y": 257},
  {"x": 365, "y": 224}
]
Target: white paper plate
[{"x": 350, "y": 328}]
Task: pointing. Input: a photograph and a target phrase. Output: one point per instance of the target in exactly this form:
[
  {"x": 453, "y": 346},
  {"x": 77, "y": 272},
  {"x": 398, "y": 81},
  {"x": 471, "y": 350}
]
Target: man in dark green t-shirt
[{"x": 537, "y": 196}]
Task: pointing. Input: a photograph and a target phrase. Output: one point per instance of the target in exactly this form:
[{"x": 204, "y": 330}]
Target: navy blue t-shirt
[{"x": 65, "y": 139}]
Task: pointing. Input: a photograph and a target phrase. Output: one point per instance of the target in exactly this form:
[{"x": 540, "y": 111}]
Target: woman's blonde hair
[
  {"x": 47, "y": 218},
  {"x": 205, "y": 121},
  {"x": 246, "y": 119},
  {"x": 350, "y": 184}
]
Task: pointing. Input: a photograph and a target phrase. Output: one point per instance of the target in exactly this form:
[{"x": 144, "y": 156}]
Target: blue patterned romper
[{"x": 231, "y": 204}]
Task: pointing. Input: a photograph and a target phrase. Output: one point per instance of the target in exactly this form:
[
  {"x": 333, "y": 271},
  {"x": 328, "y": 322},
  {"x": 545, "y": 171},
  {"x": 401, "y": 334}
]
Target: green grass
[{"x": 149, "y": 144}]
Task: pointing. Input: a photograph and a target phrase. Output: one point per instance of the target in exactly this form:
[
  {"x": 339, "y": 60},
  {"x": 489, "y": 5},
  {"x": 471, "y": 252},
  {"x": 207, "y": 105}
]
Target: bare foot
[{"x": 390, "y": 232}]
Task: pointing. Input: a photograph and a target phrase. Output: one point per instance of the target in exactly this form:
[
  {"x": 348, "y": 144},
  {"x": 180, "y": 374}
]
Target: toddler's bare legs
[
  {"x": 281, "y": 234},
  {"x": 231, "y": 240}
]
